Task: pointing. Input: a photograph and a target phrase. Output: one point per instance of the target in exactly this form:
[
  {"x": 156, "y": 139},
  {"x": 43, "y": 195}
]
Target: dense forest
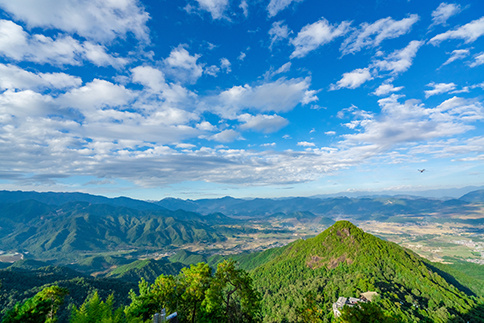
[{"x": 295, "y": 283}]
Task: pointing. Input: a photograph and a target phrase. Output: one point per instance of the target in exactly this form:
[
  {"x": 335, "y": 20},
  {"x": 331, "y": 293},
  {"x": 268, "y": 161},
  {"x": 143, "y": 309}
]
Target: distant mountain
[
  {"x": 378, "y": 208},
  {"x": 474, "y": 197},
  {"x": 345, "y": 261},
  {"x": 53, "y": 198},
  {"x": 49, "y": 231}
]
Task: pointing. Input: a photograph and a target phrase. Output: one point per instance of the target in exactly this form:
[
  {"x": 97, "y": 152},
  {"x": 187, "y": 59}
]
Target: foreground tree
[
  {"x": 40, "y": 308},
  {"x": 199, "y": 296},
  {"x": 231, "y": 297}
]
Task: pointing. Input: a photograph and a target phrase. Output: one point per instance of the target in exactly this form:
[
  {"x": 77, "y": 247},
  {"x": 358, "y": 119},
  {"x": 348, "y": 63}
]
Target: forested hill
[
  {"x": 309, "y": 275},
  {"x": 295, "y": 283},
  {"x": 46, "y": 231}
]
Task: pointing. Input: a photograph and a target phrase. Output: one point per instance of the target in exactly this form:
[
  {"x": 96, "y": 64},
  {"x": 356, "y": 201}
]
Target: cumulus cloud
[
  {"x": 228, "y": 135},
  {"x": 262, "y": 123},
  {"x": 315, "y": 35},
  {"x": 386, "y": 88},
  {"x": 150, "y": 77},
  {"x": 281, "y": 95},
  {"x": 245, "y": 8},
  {"x": 395, "y": 63},
  {"x": 400, "y": 60},
  {"x": 225, "y": 65},
  {"x": 182, "y": 66},
  {"x": 353, "y": 79},
  {"x": 281, "y": 70},
  {"x": 18, "y": 45},
  {"x": 306, "y": 144},
  {"x": 371, "y": 35},
  {"x": 412, "y": 122},
  {"x": 275, "y": 6},
  {"x": 15, "y": 78},
  {"x": 96, "y": 95},
  {"x": 469, "y": 33},
  {"x": 456, "y": 55},
  {"x": 439, "y": 88},
  {"x": 216, "y": 8},
  {"x": 478, "y": 60},
  {"x": 400, "y": 126},
  {"x": 98, "y": 56},
  {"x": 97, "y": 20},
  {"x": 278, "y": 32},
  {"x": 443, "y": 12}
]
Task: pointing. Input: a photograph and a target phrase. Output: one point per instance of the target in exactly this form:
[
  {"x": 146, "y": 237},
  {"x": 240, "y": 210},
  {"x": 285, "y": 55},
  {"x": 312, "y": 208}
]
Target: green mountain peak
[{"x": 345, "y": 261}]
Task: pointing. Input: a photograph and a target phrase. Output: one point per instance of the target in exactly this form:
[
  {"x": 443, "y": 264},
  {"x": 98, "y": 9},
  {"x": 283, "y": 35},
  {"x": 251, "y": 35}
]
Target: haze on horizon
[{"x": 209, "y": 98}]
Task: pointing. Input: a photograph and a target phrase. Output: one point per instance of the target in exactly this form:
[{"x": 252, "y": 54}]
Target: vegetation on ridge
[{"x": 345, "y": 261}]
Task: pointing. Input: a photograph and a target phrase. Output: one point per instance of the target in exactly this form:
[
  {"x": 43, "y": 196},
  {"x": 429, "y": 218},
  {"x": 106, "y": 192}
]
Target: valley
[{"x": 99, "y": 242}]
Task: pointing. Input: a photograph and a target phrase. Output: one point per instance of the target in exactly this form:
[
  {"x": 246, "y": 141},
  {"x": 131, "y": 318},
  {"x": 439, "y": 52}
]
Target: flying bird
[{"x": 421, "y": 170}]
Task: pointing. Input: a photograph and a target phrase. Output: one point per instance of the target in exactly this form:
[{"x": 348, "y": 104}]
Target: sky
[{"x": 247, "y": 98}]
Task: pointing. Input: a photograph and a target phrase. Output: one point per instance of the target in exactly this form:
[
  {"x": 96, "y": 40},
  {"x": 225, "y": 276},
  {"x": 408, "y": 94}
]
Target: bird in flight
[{"x": 421, "y": 170}]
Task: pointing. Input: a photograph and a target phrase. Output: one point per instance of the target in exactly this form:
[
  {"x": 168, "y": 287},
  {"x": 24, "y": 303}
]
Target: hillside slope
[
  {"x": 59, "y": 231},
  {"x": 345, "y": 261}
]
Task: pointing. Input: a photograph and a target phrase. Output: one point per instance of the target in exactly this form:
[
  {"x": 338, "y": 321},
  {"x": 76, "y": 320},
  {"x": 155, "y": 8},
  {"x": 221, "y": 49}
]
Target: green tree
[
  {"x": 231, "y": 297},
  {"x": 194, "y": 282},
  {"x": 94, "y": 310},
  {"x": 143, "y": 305},
  {"x": 365, "y": 313},
  {"x": 40, "y": 308}
]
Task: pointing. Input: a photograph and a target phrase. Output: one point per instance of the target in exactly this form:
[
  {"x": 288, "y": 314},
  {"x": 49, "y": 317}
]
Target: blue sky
[{"x": 263, "y": 98}]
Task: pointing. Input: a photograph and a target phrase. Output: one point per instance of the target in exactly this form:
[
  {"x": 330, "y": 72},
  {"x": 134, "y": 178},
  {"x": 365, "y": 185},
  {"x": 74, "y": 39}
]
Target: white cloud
[
  {"x": 386, "y": 88},
  {"x": 395, "y": 63},
  {"x": 315, "y": 35},
  {"x": 371, "y": 35},
  {"x": 245, "y": 7},
  {"x": 24, "y": 104},
  {"x": 278, "y": 32},
  {"x": 182, "y": 66},
  {"x": 271, "y": 144},
  {"x": 206, "y": 126},
  {"x": 212, "y": 70},
  {"x": 457, "y": 54},
  {"x": 185, "y": 146},
  {"x": 306, "y": 144},
  {"x": 400, "y": 60},
  {"x": 262, "y": 123},
  {"x": 412, "y": 122},
  {"x": 150, "y": 77},
  {"x": 242, "y": 56},
  {"x": 478, "y": 60},
  {"x": 443, "y": 12},
  {"x": 94, "y": 96},
  {"x": 215, "y": 7},
  {"x": 330, "y": 133},
  {"x": 283, "y": 69},
  {"x": 353, "y": 79},
  {"x": 278, "y": 5},
  {"x": 18, "y": 45},
  {"x": 98, "y": 56},
  {"x": 13, "y": 77},
  {"x": 278, "y": 96},
  {"x": 93, "y": 19},
  {"x": 225, "y": 65},
  {"x": 228, "y": 135},
  {"x": 439, "y": 88},
  {"x": 469, "y": 33}
]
